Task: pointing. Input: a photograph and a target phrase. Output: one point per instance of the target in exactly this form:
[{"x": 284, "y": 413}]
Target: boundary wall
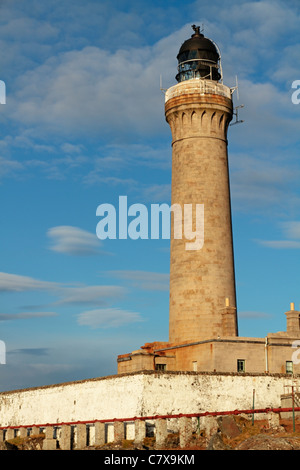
[{"x": 141, "y": 394}]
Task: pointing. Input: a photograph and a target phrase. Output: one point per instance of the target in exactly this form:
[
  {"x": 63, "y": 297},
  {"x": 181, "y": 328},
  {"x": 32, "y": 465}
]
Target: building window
[
  {"x": 289, "y": 367},
  {"x": 160, "y": 366},
  {"x": 241, "y": 365},
  {"x": 195, "y": 366}
]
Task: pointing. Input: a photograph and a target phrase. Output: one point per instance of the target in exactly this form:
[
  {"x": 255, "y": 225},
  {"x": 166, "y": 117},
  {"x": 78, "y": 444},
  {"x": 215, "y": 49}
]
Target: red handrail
[{"x": 147, "y": 418}]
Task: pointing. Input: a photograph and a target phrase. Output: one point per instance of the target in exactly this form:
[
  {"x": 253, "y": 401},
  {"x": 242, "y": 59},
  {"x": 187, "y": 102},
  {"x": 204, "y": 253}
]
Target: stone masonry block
[
  {"x": 118, "y": 431},
  {"x": 273, "y": 419},
  {"x": 65, "y": 438},
  {"x": 185, "y": 431},
  {"x": 209, "y": 424},
  {"x": 48, "y": 432},
  {"x": 99, "y": 434},
  {"x": 49, "y": 444},
  {"x": 161, "y": 433},
  {"x": 35, "y": 430},
  {"x": 23, "y": 432},
  {"x": 10, "y": 434},
  {"x": 81, "y": 436},
  {"x": 140, "y": 431}
]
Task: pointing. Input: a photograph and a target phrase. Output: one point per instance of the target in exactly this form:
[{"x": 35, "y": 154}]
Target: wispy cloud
[
  {"x": 16, "y": 283},
  {"x": 30, "y": 351},
  {"x": 77, "y": 76},
  {"x": 291, "y": 232},
  {"x": 52, "y": 162},
  {"x": 9, "y": 168},
  {"x": 145, "y": 279},
  {"x": 25, "y": 315},
  {"x": 107, "y": 318},
  {"x": 70, "y": 148},
  {"x": 67, "y": 294},
  {"x": 259, "y": 184},
  {"x": 96, "y": 177},
  {"x": 157, "y": 193},
  {"x": 281, "y": 244},
  {"x": 115, "y": 159},
  {"x": 96, "y": 295},
  {"x": 73, "y": 241},
  {"x": 80, "y": 96},
  {"x": 291, "y": 229}
]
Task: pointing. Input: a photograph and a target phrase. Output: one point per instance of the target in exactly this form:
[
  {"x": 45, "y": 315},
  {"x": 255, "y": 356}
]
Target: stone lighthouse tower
[
  {"x": 203, "y": 333},
  {"x": 202, "y": 282}
]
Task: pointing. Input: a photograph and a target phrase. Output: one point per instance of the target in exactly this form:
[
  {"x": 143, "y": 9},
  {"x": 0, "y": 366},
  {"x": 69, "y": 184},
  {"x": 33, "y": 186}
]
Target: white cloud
[
  {"x": 80, "y": 95},
  {"x": 291, "y": 231},
  {"x": 157, "y": 193},
  {"x": 73, "y": 241},
  {"x": 10, "y": 167},
  {"x": 67, "y": 294},
  {"x": 98, "y": 295},
  {"x": 280, "y": 244},
  {"x": 93, "y": 90},
  {"x": 17, "y": 283},
  {"x": 22, "y": 28},
  {"x": 144, "y": 279},
  {"x": 71, "y": 148},
  {"x": 95, "y": 177},
  {"x": 271, "y": 121},
  {"x": 107, "y": 318},
  {"x": 119, "y": 159},
  {"x": 25, "y": 315},
  {"x": 250, "y": 33},
  {"x": 259, "y": 182}
]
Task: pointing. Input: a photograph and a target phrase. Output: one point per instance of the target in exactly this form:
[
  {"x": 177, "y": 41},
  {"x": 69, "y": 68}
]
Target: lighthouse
[
  {"x": 203, "y": 331},
  {"x": 199, "y": 109}
]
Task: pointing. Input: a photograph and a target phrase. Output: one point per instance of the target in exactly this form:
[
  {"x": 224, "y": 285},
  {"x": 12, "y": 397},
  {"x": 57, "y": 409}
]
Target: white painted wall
[
  {"x": 103, "y": 398},
  {"x": 139, "y": 394}
]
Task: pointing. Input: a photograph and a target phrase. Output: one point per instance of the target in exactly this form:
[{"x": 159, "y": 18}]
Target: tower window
[
  {"x": 289, "y": 367},
  {"x": 241, "y": 365},
  {"x": 160, "y": 366}
]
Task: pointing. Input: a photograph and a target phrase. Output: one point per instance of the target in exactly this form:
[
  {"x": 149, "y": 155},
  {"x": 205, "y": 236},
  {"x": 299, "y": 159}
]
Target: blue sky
[{"x": 84, "y": 124}]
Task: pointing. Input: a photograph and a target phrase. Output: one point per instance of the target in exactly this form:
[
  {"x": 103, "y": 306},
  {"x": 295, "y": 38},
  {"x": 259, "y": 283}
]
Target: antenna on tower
[
  {"x": 235, "y": 88},
  {"x": 235, "y": 112},
  {"x": 160, "y": 85},
  {"x": 236, "y": 108}
]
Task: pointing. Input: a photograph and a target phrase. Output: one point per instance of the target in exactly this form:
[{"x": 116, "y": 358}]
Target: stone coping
[
  {"x": 151, "y": 372},
  {"x": 197, "y": 85}
]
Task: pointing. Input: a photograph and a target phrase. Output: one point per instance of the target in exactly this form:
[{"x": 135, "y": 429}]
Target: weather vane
[{"x": 197, "y": 29}]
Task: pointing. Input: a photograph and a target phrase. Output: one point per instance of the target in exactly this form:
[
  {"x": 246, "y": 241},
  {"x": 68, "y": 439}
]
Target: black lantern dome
[{"x": 198, "y": 57}]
